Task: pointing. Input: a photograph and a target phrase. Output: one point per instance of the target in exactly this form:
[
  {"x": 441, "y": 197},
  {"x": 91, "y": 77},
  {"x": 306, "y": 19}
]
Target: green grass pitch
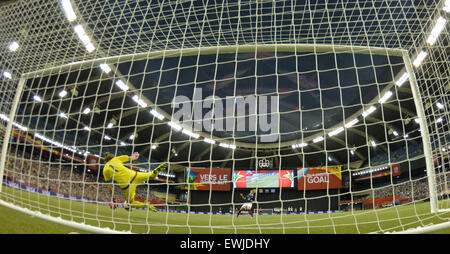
[{"x": 143, "y": 221}]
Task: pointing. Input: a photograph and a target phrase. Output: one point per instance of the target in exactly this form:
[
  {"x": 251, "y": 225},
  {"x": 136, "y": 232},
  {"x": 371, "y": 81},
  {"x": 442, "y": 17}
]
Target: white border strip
[
  {"x": 425, "y": 229},
  {"x": 59, "y": 220}
]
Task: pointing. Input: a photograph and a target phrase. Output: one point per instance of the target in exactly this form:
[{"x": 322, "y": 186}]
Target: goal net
[{"x": 326, "y": 117}]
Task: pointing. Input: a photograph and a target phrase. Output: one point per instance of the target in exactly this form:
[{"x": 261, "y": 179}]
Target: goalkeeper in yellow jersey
[{"x": 128, "y": 179}]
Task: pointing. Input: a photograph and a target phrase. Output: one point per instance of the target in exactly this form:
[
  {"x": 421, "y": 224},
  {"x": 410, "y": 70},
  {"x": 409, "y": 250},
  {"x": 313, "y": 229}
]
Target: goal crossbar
[{"x": 320, "y": 48}]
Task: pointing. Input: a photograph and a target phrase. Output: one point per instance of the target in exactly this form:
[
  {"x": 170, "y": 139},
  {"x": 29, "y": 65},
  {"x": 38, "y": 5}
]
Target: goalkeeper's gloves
[{"x": 160, "y": 168}]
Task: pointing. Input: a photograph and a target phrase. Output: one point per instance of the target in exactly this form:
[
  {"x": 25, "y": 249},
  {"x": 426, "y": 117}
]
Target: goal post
[
  {"x": 427, "y": 150},
  {"x": 7, "y": 133}
]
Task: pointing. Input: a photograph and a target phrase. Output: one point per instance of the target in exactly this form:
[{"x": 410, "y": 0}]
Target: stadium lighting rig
[
  {"x": 62, "y": 93},
  {"x": 227, "y": 145},
  {"x": 419, "y": 59},
  {"x": 157, "y": 114},
  {"x": 299, "y": 145},
  {"x": 166, "y": 175},
  {"x": 210, "y": 141},
  {"x": 21, "y": 127},
  {"x": 122, "y": 85},
  {"x": 447, "y": 6},
  {"x": 402, "y": 79},
  {"x": 84, "y": 38},
  {"x": 37, "y": 98},
  {"x": 318, "y": 139},
  {"x": 87, "y": 110},
  {"x": 4, "y": 117},
  {"x": 52, "y": 142},
  {"x": 42, "y": 137},
  {"x": 174, "y": 126},
  {"x": 13, "y": 46},
  {"x": 370, "y": 171},
  {"x": 139, "y": 101},
  {"x": 351, "y": 123},
  {"x": 336, "y": 132},
  {"x": 68, "y": 10},
  {"x": 436, "y": 31},
  {"x": 79, "y": 30},
  {"x": 105, "y": 68},
  {"x": 7, "y": 74},
  {"x": 63, "y": 115},
  {"x": 190, "y": 133},
  {"x": 369, "y": 111},
  {"x": 385, "y": 97}
]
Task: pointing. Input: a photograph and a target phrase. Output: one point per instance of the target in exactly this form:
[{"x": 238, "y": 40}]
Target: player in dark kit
[{"x": 248, "y": 203}]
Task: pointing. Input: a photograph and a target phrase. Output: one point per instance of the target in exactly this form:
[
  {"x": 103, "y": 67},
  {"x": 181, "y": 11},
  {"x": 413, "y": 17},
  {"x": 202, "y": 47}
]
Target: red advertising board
[
  {"x": 396, "y": 170},
  {"x": 93, "y": 162},
  {"x": 319, "y": 178},
  {"x": 216, "y": 179}
]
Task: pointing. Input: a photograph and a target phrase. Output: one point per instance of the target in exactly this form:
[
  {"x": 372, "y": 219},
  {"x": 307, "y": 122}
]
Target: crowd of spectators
[
  {"x": 411, "y": 190},
  {"x": 401, "y": 191}
]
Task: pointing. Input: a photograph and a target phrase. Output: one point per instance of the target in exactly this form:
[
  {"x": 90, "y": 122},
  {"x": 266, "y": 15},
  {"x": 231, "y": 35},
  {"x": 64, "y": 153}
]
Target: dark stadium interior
[
  {"x": 317, "y": 91},
  {"x": 306, "y": 108}
]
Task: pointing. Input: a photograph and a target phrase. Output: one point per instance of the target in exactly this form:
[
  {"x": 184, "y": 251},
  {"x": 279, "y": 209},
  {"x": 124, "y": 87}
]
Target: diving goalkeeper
[{"x": 128, "y": 179}]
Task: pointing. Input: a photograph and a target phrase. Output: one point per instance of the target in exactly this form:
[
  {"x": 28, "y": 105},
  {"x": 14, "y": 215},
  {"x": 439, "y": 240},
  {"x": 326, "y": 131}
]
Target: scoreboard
[
  {"x": 263, "y": 178},
  {"x": 319, "y": 178}
]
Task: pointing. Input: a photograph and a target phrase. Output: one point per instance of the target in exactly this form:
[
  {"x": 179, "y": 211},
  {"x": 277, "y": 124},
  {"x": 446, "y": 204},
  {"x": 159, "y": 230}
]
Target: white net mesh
[{"x": 326, "y": 110}]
